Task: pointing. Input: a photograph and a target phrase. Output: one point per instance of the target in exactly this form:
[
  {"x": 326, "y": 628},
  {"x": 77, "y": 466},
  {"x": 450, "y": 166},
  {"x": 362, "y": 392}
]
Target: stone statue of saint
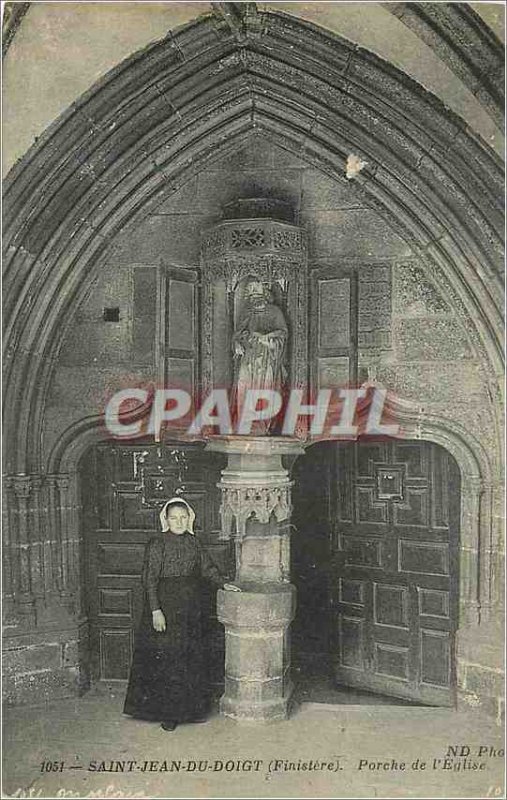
[{"x": 259, "y": 345}]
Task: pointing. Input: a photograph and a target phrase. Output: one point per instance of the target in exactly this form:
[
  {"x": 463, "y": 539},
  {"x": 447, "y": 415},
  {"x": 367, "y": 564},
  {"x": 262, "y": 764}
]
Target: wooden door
[
  {"x": 121, "y": 485},
  {"x": 375, "y": 562},
  {"x": 394, "y": 589}
]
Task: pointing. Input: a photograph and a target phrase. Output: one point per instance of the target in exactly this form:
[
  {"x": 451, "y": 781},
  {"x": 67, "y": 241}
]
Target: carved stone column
[
  {"x": 256, "y": 509},
  {"x": 18, "y": 556},
  {"x": 44, "y": 634},
  {"x": 64, "y": 508}
]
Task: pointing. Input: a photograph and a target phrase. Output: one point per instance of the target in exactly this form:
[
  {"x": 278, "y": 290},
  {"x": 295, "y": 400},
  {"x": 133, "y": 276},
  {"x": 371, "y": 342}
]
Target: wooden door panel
[
  {"x": 334, "y": 328},
  {"x": 131, "y": 514},
  {"x": 115, "y": 649},
  {"x": 435, "y": 657},
  {"x": 117, "y": 559},
  {"x": 390, "y": 605},
  {"x": 367, "y": 511},
  {"x": 351, "y": 592},
  {"x": 114, "y": 603},
  {"x": 181, "y": 329},
  {"x": 392, "y": 661},
  {"x": 433, "y": 604},
  {"x": 414, "y": 512},
  {"x": 118, "y": 523},
  {"x": 423, "y": 558},
  {"x": 352, "y": 642},
  {"x": 394, "y": 585}
]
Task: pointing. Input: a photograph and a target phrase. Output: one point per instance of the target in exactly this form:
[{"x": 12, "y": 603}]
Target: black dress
[{"x": 167, "y": 678}]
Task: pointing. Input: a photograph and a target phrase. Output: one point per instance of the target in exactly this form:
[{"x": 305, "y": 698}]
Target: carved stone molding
[
  {"x": 22, "y": 486},
  {"x": 59, "y": 481},
  {"x": 254, "y": 484},
  {"x": 242, "y": 19},
  {"x": 25, "y": 539},
  {"x": 267, "y": 248},
  {"x": 13, "y": 17},
  {"x": 259, "y": 234},
  {"x": 307, "y": 90},
  {"x": 465, "y": 43},
  {"x": 259, "y": 502},
  {"x": 233, "y": 269}
]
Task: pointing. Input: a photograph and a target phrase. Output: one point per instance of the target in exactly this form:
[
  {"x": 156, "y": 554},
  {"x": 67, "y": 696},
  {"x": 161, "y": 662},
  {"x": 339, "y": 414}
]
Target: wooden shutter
[
  {"x": 334, "y": 328},
  {"x": 181, "y": 329}
]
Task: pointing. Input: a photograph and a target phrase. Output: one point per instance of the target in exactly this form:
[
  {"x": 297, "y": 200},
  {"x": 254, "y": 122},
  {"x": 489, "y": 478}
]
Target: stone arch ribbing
[
  {"x": 158, "y": 117},
  {"x": 468, "y": 46}
]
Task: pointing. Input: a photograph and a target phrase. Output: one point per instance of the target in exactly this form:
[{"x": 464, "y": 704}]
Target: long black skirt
[{"x": 166, "y": 677}]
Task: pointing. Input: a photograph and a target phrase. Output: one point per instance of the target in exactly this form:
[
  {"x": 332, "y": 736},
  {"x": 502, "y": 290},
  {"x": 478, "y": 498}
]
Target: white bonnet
[{"x": 173, "y": 501}]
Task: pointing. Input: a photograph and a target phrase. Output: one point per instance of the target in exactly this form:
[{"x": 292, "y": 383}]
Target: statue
[{"x": 259, "y": 345}]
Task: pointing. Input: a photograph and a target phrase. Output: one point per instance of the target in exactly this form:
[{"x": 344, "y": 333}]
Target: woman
[{"x": 166, "y": 682}]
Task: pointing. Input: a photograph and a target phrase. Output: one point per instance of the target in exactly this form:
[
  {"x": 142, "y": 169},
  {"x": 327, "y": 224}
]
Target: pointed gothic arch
[
  {"x": 139, "y": 135},
  {"x": 158, "y": 117}
]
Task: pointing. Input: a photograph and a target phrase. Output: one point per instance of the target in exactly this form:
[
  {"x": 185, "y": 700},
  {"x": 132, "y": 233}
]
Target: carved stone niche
[{"x": 257, "y": 240}]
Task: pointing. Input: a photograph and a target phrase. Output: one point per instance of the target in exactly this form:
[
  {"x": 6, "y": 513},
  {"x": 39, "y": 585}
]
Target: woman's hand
[
  {"x": 230, "y": 587},
  {"x": 159, "y": 620}
]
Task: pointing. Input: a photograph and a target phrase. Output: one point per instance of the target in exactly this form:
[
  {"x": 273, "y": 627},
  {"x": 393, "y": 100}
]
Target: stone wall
[
  {"x": 99, "y": 357},
  {"x": 412, "y": 331},
  {"x": 38, "y": 666}
]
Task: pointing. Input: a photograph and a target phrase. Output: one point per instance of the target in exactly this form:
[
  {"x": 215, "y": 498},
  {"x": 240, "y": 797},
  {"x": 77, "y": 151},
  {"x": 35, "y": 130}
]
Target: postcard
[{"x": 253, "y": 417}]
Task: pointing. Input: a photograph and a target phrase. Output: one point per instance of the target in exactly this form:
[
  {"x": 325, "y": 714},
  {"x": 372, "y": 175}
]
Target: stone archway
[
  {"x": 61, "y": 489},
  {"x": 137, "y": 137},
  {"x": 173, "y": 111}
]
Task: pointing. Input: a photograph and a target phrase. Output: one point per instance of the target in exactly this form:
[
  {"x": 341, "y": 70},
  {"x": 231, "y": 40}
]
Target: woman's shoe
[{"x": 169, "y": 724}]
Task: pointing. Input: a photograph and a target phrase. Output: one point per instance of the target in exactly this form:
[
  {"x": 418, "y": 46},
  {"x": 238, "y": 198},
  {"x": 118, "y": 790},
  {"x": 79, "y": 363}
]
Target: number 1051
[{"x": 51, "y": 766}]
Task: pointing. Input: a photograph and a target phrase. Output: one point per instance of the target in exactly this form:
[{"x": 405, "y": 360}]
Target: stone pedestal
[
  {"x": 257, "y": 651},
  {"x": 256, "y": 508}
]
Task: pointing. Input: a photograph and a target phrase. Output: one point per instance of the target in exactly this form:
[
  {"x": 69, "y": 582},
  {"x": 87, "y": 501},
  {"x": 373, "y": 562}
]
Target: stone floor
[
  {"x": 222, "y": 759},
  {"x": 323, "y": 689}
]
